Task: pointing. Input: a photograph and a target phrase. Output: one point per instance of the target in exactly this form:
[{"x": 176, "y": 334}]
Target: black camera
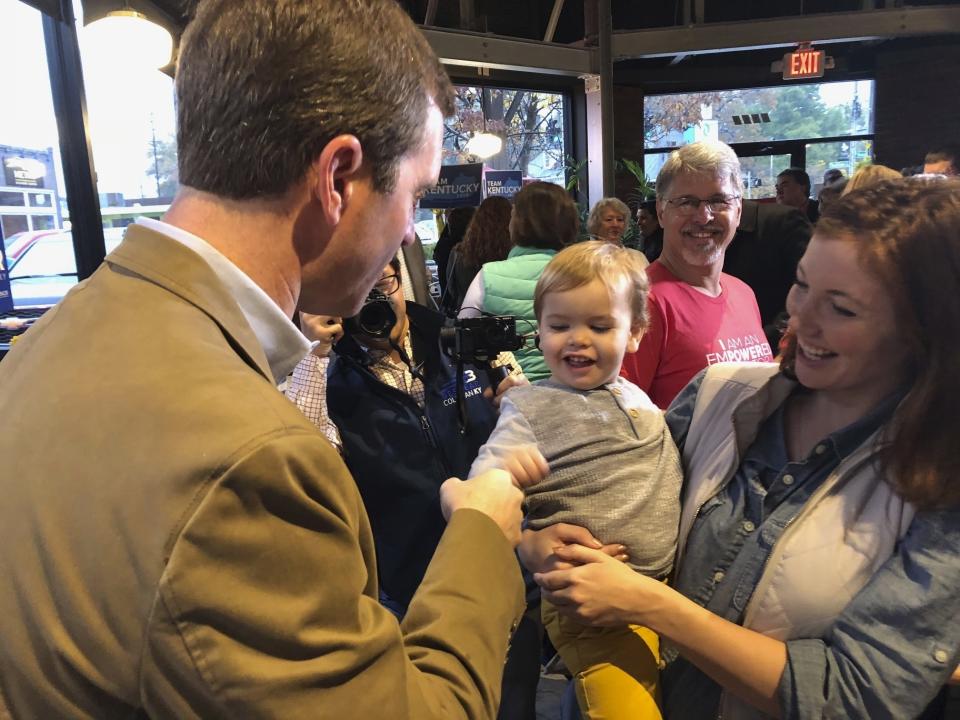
[
  {"x": 376, "y": 318},
  {"x": 481, "y": 339}
]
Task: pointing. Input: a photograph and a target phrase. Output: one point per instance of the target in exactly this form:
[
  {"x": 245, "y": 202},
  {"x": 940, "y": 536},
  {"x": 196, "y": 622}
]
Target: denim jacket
[{"x": 895, "y": 641}]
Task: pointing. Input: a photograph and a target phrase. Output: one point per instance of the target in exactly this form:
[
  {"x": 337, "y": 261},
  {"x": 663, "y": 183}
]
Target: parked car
[{"x": 41, "y": 265}]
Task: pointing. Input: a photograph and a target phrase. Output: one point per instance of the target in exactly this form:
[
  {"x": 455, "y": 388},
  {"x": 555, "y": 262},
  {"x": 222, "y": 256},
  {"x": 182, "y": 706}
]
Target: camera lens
[{"x": 376, "y": 319}]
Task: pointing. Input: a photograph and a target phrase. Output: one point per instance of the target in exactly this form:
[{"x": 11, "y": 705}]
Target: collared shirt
[
  {"x": 892, "y": 633},
  {"x": 283, "y": 344},
  {"x": 307, "y": 388},
  {"x": 737, "y": 528},
  {"x": 397, "y": 374}
]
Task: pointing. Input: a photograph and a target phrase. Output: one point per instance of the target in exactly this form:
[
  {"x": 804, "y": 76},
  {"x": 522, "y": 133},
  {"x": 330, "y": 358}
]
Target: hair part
[
  {"x": 906, "y": 230},
  {"x": 618, "y": 268},
  {"x": 707, "y": 157},
  {"x": 544, "y": 217},
  {"x": 264, "y": 85},
  {"x": 488, "y": 235},
  {"x": 600, "y": 207}
]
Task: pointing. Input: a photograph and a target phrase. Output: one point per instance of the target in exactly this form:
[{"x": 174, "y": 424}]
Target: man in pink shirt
[{"x": 699, "y": 314}]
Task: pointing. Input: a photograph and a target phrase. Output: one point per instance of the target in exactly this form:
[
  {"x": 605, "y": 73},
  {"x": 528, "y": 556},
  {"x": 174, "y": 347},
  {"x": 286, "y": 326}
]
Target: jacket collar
[
  {"x": 518, "y": 250},
  {"x": 174, "y": 267}
]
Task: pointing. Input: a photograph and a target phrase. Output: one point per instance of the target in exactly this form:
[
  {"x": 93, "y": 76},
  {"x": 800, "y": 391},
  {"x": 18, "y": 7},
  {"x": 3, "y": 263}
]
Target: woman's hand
[
  {"x": 601, "y": 591},
  {"x": 537, "y": 547}
]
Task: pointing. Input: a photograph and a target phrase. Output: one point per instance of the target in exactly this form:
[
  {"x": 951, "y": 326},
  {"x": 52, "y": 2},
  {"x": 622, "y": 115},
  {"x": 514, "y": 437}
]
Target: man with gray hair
[
  {"x": 176, "y": 539},
  {"x": 699, "y": 315}
]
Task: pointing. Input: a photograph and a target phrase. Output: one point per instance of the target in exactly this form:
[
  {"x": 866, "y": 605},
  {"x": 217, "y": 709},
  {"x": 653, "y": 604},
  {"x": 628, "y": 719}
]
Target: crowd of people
[{"x": 716, "y": 469}]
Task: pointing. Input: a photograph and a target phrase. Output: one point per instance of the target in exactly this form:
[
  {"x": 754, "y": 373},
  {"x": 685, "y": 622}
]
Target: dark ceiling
[{"x": 528, "y": 19}]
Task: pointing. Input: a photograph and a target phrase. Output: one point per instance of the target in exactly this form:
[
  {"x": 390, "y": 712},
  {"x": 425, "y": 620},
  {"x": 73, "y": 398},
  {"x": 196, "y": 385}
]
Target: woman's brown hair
[
  {"x": 908, "y": 233},
  {"x": 544, "y": 217},
  {"x": 488, "y": 234}
]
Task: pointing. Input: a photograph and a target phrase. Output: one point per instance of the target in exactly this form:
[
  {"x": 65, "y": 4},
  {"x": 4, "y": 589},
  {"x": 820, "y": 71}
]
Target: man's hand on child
[{"x": 493, "y": 493}]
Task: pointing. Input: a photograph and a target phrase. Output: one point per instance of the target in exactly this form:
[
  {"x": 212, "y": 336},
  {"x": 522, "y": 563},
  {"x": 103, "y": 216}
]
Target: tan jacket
[{"x": 177, "y": 540}]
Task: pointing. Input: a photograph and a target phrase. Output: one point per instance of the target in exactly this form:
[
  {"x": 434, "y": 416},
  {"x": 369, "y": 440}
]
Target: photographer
[{"x": 391, "y": 393}]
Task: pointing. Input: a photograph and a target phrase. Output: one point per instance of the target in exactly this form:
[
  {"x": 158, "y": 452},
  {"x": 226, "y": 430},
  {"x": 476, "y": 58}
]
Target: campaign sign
[
  {"x": 505, "y": 183},
  {"x": 6, "y": 299},
  {"x": 459, "y": 186}
]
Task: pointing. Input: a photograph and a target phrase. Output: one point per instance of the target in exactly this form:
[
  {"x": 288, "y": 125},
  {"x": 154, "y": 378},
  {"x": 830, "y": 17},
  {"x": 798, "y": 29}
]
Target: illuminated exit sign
[{"x": 803, "y": 64}]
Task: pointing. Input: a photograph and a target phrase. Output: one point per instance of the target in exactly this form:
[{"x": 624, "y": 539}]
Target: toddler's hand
[{"x": 527, "y": 465}]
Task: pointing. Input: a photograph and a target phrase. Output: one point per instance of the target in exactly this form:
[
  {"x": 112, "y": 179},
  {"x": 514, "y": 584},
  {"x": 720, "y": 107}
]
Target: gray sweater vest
[{"x": 614, "y": 468}]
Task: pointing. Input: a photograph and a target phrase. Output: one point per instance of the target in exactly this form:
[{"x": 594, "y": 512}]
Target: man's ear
[
  {"x": 636, "y": 335},
  {"x": 333, "y": 174},
  {"x": 660, "y": 206}
]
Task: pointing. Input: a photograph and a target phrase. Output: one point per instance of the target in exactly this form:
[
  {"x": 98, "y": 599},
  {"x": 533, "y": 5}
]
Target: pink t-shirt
[{"x": 689, "y": 331}]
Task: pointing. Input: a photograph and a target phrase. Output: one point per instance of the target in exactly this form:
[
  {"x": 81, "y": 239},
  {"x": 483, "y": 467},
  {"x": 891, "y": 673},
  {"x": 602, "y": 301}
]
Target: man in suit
[
  {"x": 764, "y": 252},
  {"x": 176, "y": 538}
]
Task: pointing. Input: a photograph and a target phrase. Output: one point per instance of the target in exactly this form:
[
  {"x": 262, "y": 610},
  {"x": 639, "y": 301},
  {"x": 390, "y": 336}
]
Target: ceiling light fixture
[
  {"x": 484, "y": 145},
  {"x": 129, "y": 36}
]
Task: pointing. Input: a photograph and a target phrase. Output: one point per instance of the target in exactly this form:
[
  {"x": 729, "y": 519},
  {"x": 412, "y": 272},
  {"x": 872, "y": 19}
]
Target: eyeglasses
[
  {"x": 688, "y": 205},
  {"x": 388, "y": 284}
]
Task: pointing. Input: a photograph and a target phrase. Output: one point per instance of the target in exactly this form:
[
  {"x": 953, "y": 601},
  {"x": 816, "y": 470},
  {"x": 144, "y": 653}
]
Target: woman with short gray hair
[{"x": 608, "y": 220}]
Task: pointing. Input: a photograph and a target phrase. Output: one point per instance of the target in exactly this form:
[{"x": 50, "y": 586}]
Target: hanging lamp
[{"x": 130, "y": 37}]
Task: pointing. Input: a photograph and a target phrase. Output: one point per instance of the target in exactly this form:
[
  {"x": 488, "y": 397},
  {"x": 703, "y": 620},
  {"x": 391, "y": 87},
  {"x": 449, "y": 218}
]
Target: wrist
[{"x": 669, "y": 613}]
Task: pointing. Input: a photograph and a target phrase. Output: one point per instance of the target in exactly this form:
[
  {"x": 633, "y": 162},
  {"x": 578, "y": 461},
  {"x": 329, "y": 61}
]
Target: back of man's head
[
  {"x": 832, "y": 175},
  {"x": 944, "y": 160},
  {"x": 707, "y": 157},
  {"x": 264, "y": 85}
]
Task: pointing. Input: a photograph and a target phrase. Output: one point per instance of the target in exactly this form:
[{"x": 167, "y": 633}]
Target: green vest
[{"x": 508, "y": 287}]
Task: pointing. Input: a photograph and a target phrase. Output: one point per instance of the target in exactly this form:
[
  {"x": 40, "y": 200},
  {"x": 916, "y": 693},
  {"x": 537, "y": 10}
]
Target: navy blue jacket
[{"x": 398, "y": 454}]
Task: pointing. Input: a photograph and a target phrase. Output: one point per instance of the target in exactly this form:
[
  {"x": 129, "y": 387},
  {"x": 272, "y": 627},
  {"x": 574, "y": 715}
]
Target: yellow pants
[{"x": 616, "y": 670}]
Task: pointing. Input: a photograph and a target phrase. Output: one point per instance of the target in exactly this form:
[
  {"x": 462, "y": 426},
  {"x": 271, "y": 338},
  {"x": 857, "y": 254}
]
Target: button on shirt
[{"x": 743, "y": 521}]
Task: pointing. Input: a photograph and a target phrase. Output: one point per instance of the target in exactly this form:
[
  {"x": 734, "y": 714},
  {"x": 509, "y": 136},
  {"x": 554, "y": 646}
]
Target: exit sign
[{"x": 803, "y": 63}]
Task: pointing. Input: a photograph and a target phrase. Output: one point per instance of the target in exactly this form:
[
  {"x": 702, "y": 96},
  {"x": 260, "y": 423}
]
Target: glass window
[
  {"x": 50, "y": 254},
  {"x": 760, "y": 174},
  {"x": 652, "y": 162},
  {"x": 13, "y": 224},
  {"x": 11, "y": 198},
  {"x": 43, "y": 222},
  {"x": 132, "y": 134},
  {"x": 845, "y": 156},
  {"x": 529, "y": 123},
  {"x": 30, "y": 167},
  {"x": 784, "y": 112}
]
